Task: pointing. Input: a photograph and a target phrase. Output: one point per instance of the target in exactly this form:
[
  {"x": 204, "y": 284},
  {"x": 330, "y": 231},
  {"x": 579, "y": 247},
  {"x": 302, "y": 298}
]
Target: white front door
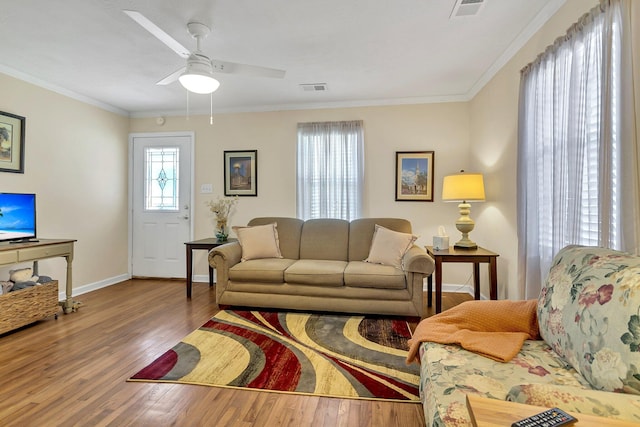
[{"x": 161, "y": 203}]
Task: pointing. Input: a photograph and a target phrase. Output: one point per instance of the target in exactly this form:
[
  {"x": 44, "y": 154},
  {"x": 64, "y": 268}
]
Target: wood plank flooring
[{"x": 72, "y": 371}]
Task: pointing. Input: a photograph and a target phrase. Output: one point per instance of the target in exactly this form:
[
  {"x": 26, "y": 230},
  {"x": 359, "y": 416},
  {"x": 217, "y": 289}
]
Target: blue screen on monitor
[{"x": 17, "y": 216}]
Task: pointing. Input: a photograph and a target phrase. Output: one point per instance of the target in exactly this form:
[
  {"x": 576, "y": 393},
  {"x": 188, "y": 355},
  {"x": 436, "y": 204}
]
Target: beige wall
[
  {"x": 76, "y": 163},
  {"x": 443, "y": 128},
  {"x": 494, "y": 131}
]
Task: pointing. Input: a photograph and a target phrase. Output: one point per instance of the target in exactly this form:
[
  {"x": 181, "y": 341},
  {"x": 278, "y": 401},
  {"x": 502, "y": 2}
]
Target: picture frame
[
  {"x": 241, "y": 173},
  {"x": 414, "y": 176},
  {"x": 12, "y": 129}
]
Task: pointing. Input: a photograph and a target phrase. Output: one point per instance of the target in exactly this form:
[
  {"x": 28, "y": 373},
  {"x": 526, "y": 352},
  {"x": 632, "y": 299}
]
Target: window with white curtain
[
  {"x": 330, "y": 170},
  {"x": 569, "y": 145}
]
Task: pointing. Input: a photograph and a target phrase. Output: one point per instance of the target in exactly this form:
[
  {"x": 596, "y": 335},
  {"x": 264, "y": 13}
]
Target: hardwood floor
[{"x": 72, "y": 371}]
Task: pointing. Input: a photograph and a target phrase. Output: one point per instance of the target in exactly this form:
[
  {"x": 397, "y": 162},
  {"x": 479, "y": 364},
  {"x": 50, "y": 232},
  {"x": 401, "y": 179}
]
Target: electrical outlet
[{"x": 206, "y": 188}]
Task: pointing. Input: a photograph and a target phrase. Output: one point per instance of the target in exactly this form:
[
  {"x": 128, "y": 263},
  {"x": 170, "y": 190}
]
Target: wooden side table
[
  {"x": 206, "y": 244},
  {"x": 475, "y": 256}
]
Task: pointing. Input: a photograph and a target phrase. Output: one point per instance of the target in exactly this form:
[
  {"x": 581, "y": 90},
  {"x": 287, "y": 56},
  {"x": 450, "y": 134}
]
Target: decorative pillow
[
  {"x": 44, "y": 279},
  {"x": 388, "y": 246},
  {"x": 259, "y": 241},
  {"x": 22, "y": 275},
  {"x": 588, "y": 313}
]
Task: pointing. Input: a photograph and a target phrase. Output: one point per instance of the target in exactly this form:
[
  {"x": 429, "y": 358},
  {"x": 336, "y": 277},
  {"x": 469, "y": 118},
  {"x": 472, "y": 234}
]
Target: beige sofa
[{"x": 322, "y": 268}]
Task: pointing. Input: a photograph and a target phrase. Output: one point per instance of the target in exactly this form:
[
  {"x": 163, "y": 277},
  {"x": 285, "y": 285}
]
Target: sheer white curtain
[
  {"x": 330, "y": 170},
  {"x": 577, "y": 154}
]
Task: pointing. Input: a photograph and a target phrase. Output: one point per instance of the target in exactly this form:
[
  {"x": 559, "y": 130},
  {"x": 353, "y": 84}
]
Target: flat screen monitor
[{"x": 17, "y": 216}]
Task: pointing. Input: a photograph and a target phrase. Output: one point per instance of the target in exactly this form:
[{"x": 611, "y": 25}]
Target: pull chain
[
  {"x": 187, "y": 105},
  {"x": 211, "y": 117}
]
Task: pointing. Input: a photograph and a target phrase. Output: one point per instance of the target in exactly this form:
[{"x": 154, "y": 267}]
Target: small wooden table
[
  {"x": 475, "y": 256},
  {"x": 17, "y": 252},
  {"x": 486, "y": 412},
  {"x": 208, "y": 244}
]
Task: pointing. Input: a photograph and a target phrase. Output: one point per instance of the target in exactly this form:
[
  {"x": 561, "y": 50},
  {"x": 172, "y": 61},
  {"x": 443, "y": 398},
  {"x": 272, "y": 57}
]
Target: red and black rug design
[{"x": 317, "y": 354}]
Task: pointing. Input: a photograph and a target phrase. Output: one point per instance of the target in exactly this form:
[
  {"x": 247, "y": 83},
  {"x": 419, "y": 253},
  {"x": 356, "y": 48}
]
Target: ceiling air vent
[
  {"x": 467, "y": 8},
  {"x": 314, "y": 87}
]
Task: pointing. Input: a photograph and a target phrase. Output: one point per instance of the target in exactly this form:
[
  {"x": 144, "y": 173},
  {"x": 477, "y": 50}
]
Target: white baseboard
[
  {"x": 62, "y": 295},
  {"x": 452, "y": 287},
  {"x": 203, "y": 278}
]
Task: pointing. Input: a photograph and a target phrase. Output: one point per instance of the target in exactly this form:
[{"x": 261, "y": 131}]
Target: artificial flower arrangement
[{"x": 222, "y": 208}]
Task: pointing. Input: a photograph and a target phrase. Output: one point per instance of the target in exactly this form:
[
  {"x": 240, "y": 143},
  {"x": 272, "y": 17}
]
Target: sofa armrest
[
  {"x": 222, "y": 258},
  {"x": 225, "y": 256},
  {"x": 622, "y": 406},
  {"x": 416, "y": 260}
]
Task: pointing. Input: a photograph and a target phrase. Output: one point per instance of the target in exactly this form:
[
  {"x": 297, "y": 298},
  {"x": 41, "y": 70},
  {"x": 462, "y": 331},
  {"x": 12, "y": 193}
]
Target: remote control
[{"x": 550, "y": 418}]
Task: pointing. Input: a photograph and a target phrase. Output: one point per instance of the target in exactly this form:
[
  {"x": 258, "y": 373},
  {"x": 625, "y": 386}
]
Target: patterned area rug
[{"x": 317, "y": 354}]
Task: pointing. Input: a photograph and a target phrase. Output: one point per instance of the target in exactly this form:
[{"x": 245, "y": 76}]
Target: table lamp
[{"x": 464, "y": 187}]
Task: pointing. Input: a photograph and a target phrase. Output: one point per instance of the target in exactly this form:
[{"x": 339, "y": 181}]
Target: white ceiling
[{"x": 368, "y": 52}]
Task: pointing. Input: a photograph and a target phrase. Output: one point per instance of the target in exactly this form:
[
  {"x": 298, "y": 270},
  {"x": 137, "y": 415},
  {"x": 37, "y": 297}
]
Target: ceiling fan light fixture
[
  {"x": 199, "y": 83},
  {"x": 198, "y": 78}
]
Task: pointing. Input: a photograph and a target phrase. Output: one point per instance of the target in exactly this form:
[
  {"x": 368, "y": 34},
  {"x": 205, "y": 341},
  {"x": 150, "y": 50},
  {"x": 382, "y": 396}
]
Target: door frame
[{"x": 192, "y": 142}]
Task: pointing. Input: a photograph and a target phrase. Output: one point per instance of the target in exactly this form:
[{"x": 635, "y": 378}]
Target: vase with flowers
[{"x": 222, "y": 208}]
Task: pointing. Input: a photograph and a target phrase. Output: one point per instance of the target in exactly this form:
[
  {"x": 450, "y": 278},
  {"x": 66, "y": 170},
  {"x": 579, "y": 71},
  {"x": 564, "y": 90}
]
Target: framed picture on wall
[
  {"x": 414, "y": 176},
  {"x": 11, "y": 143},
  {"x": 241, "y": 173}
]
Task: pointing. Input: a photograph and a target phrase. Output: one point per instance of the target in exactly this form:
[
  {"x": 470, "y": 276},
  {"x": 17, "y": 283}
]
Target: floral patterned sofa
[{"x": 587, "y": 362}]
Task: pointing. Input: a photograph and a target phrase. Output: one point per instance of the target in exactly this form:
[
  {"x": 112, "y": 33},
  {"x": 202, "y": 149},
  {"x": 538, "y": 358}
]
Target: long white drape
[
  {"x": 330, "y": 170},
  {"x": 577, "y": 151}
]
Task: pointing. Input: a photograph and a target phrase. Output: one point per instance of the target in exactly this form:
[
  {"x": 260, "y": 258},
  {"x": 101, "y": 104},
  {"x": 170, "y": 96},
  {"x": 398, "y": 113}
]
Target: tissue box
[{"x": 440, "y": 243}]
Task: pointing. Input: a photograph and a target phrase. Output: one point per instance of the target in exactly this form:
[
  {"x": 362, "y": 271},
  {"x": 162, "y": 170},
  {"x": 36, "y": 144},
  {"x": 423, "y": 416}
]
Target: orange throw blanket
[{"x": 495, "y": 329}]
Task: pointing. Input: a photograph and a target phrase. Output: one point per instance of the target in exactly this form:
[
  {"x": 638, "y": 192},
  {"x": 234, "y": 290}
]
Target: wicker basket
[{"x": 28, "y": 305}]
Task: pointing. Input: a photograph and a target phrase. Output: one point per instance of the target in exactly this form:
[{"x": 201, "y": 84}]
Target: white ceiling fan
[{"x": 197, "y": 75}]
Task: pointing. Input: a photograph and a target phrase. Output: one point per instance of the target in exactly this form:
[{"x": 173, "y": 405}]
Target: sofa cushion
[
  {"x": 259, "y": 241},
  {"x": 388, "y": 246},
  {"x": 289, "y": 230},
  {"x": 325, "y": 239},
  {"x": 268, "y": 270},
  {"x": 449, "y": 372},
  {"x": 316, "y": 272},
  {"x": 588, "y": 311},
  {"x": 361, "y": 234},
  {"x": 366, "y": 275}
]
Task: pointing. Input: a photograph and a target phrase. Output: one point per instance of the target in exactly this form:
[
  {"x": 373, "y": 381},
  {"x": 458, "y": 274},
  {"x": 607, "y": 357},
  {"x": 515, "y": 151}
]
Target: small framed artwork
[
  {"x": 241, "y": 173},
  {"x": 414, "y": 176},
  {"x": 11, "y": 143}
]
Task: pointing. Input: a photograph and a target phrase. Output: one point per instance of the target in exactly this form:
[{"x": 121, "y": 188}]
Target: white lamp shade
[
  {"x": 199, "y": 83},
  {"x": 463, "y": 187},
  {"x": 198, "y": 77}
]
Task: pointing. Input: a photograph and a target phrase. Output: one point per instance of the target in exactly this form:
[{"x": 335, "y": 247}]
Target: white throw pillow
[
  {"x": 22, "y": 275},
  {"x": 388, "y": 246},
  {"x": 259, "y": 241}
]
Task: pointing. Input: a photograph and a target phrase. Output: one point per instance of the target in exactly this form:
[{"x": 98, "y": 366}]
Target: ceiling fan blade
[
  {"x": 172, "y": 77},
  {"x": 158, "y": 33},
  {"x": 250, "y": 70}
]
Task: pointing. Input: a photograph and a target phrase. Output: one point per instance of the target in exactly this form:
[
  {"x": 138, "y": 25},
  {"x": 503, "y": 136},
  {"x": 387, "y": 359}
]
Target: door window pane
[{"x": 161, "y": 179}]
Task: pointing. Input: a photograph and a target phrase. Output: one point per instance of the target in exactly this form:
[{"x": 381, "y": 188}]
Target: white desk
[{"x": 13, "y": 253}]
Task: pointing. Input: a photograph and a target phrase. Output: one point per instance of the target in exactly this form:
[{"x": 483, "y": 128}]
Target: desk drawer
[
  {"x": 8, "y": 257},
  {"x": 29, "y": 254}
]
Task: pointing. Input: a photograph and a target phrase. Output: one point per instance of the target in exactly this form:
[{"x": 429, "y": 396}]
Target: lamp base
[
  {"x": 465, "y": 225},
  {"x": 465, "y": 244}
]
